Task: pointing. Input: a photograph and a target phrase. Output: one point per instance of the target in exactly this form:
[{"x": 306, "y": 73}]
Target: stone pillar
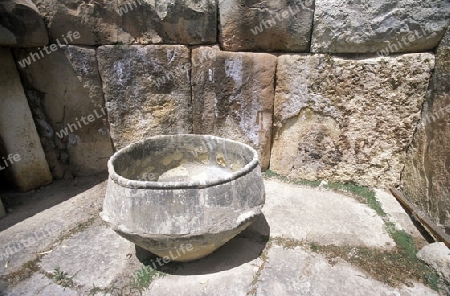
[
  {"x": 67, "y": 103},
  {"x": 24, "y": 159}
]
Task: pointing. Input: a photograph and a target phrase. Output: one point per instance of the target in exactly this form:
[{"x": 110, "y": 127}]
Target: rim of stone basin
[{"x": 138, "y": 184}]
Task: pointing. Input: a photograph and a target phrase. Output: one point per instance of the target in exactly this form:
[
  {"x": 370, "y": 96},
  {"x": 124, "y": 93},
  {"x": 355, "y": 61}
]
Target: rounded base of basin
[{"x": 184, "y": 248}]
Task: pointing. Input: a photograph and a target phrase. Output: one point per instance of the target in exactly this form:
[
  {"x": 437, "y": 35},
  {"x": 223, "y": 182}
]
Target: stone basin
[{"x": 181, "y": 197}]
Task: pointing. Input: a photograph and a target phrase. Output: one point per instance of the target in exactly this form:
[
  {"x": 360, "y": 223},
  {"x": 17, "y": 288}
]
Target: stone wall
[{"x": 324, "y": 89}]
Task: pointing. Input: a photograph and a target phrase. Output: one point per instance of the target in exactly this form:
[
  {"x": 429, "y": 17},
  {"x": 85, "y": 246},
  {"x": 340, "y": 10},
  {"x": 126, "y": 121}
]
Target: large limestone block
[
  {"x": 18, "y": 136},
  {"x": 347, "y": 119},
  {"x": 232, "y": 96},
  {"x": 131, "y": 21},
  {"x": 425, "y": 179},
  {"x": 21, "y": 25},
  {"x": 147, "y": 90},
  {"x": 266, "y": 25},
  {"x": 385, "y": 26},
  {"x": 65, "y": 94}
]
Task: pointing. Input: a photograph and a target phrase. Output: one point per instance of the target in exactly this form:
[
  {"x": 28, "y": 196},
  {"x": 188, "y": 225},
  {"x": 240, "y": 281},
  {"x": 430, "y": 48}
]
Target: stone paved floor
[{"x": 274, "y": 256}]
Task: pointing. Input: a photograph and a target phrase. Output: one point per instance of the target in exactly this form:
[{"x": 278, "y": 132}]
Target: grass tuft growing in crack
[
  {"x": 264, "y": 256},
  {"x": 62, "y": 278},
  {"x": 25, "y": 272},
  {"x": 145, "y": 276}
]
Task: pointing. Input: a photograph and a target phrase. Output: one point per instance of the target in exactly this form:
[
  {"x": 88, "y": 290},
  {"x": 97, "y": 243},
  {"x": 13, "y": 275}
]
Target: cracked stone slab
[
  {"x": 228, "y": 271},
  {"x": 233, "y": 282},
  {"x": 23, "y": 241},
  {"x": 93, "y": 257},
  {"x": 300, "y": 272},
  {"x": 39, "y": 285},
  {"x": 322, "y": 216},
  {"x": 396, "y": 213}
]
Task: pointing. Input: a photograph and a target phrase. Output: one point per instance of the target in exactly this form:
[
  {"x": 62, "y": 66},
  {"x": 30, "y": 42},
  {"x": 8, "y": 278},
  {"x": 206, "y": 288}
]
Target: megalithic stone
[{"x": 29, "y": 169}]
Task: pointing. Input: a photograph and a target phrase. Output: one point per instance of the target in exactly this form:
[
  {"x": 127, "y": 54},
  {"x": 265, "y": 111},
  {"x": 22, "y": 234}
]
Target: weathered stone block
[
  {"x": 65, "y": 93},
  {"x": 21, "y": 25},
  {"x": 383, "y": 26},
  {"x": 147, "y": 90},
  {"x": 131, "y": 21},
  {"x": 425, "y": 179},
  {"x": 232, "y": 96},
  {"x": 266, "y": 25},
  {"x": 347, "y": 120},
  {"x": 22, "y": 159}
]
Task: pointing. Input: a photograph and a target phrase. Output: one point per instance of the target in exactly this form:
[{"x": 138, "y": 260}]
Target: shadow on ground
[
  {"x": 24, "y": 205},
  {"x": 243, "y": 248}
]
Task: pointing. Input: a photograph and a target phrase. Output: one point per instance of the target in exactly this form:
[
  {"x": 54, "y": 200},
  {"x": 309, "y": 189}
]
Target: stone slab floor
[{"x": 310, "y": 241}]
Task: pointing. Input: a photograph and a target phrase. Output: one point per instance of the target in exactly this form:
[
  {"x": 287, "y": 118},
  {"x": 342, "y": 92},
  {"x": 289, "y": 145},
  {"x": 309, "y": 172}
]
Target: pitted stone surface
[{"x": 347, "y": 120}]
